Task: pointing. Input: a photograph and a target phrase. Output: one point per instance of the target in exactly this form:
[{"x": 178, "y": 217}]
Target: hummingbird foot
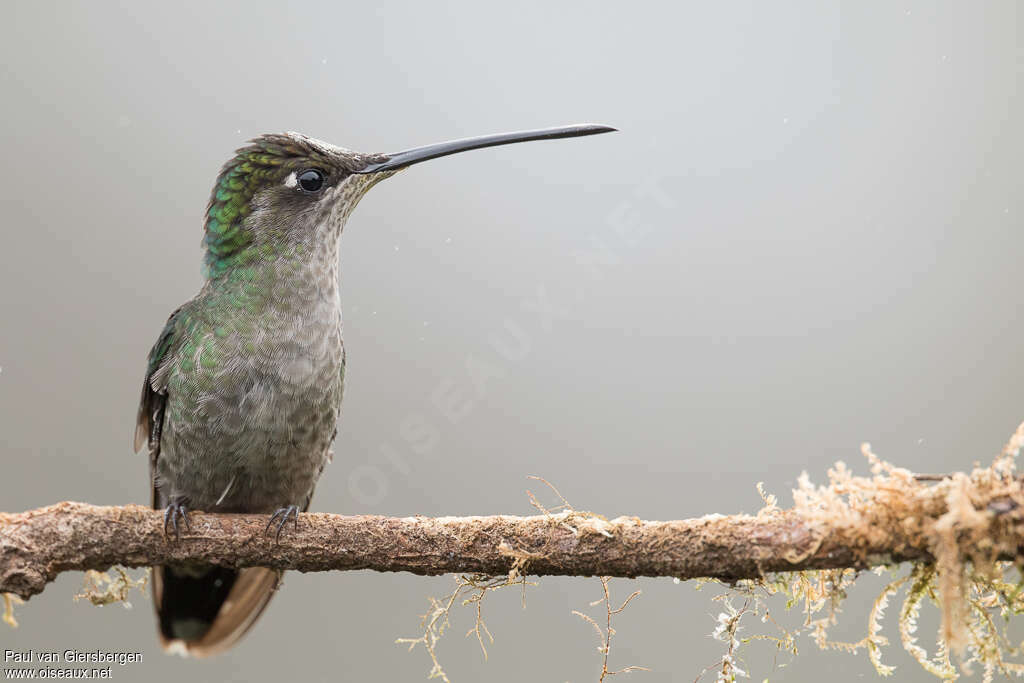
[
  {"x": 174, "y": 512},
  {"x": 283, "y": 515}
]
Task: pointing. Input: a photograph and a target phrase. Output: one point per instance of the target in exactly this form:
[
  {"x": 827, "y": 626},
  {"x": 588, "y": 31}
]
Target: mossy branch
[{"x": 855, "y": 522}]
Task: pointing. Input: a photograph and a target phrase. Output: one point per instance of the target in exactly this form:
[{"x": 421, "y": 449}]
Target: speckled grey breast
[{"x": 250, "y": 430}]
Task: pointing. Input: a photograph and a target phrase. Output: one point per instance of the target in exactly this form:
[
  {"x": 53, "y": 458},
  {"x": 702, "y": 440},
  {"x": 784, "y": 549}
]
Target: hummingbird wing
[
  {"x": 150, "y": 419},
  {"x": 249, "y": 589}
]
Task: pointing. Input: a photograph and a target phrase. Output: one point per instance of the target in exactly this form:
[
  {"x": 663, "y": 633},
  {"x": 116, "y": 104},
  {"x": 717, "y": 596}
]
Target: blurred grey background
[{"x": 804, "y": 237}]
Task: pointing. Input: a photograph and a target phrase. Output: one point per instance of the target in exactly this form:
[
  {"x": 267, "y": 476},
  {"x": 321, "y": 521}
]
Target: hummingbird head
[
  {"x": 275, "y": 193},
  {"x": 287, "y": 192}
]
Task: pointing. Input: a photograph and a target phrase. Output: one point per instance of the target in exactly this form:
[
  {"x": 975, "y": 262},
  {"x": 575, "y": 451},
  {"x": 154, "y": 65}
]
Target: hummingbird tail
[{"x": 204, "y": 609}]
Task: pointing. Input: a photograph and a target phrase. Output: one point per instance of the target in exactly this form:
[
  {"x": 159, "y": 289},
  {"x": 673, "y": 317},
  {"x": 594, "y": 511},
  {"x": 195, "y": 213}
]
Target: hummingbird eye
[{"x": 311, "y": 180}]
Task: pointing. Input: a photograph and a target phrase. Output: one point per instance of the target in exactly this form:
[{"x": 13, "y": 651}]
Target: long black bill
[{"x": 399, "y": 160}]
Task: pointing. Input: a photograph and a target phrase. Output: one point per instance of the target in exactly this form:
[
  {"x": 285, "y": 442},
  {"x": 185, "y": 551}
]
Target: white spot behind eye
[{"x": 291, "y": 180}]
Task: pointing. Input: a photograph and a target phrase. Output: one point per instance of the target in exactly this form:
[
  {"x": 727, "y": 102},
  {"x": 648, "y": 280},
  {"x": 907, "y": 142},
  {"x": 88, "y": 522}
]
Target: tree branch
[{"x": 852, "y": 522}]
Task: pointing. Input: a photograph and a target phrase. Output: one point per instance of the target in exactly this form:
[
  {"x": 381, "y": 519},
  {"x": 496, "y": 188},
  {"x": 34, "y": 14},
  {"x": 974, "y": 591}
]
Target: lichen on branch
[{"x": 963, "y": 527}]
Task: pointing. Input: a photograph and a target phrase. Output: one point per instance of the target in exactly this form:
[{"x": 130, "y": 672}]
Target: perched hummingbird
[{"x": 243, "y": 387}]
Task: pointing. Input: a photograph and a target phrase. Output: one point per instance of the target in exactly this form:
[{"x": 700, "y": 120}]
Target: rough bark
[
  {"x": 852, "y": 522},
  {"x": 37, "y": 545}
]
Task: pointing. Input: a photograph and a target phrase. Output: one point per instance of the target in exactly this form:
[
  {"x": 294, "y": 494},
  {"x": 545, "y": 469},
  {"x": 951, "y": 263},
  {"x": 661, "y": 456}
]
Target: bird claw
[
  {"x": 172, "y": 513},
  {"x": 285, "y": 513}
]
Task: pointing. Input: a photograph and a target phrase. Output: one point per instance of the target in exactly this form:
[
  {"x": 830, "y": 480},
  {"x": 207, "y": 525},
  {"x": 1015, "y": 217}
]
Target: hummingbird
[{"x": 243, "y": 387}]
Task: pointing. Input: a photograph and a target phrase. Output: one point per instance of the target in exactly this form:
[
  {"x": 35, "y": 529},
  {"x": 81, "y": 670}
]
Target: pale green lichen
[
  {"x": 10, "y": 600},
  {"x": 100, "y": 588},
  {"x": 471, "y": 589},
  {"x": 963, "y": 524},
  {"x": 976, "y": 594}
]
